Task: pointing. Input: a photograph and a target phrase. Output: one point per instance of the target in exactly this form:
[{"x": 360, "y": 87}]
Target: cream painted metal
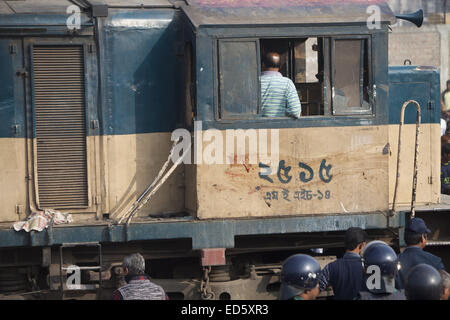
[{"x": 357, "y": 180}]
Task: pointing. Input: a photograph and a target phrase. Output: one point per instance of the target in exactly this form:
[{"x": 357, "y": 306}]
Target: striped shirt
[
  {"x": 279, "y": 96},
  {"x": 140, "y": 288}
]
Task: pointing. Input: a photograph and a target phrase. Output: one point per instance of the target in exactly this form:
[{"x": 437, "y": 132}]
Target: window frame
[
  {"x": 329, "y": 58},
  {"x": 218, "y": 111},
  {"x": 353, "y": 111}
]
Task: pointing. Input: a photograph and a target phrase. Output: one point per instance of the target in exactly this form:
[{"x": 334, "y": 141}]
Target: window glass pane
[
  {"x": 306, "y": 60},
  {"x": 238, "y": 78},
  {"x": 308, "y": 56},
  {"x": 350, "y": 77}
]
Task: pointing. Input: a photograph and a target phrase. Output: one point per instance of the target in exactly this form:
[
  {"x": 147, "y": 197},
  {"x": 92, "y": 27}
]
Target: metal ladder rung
[
  {"x": 62, "y": 268},
  {"x": 83, "y": 268}
]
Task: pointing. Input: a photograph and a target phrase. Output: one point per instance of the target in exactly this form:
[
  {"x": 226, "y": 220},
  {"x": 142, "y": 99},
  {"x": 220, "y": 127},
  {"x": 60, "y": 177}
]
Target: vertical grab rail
[{"x": 416, "y": 151}]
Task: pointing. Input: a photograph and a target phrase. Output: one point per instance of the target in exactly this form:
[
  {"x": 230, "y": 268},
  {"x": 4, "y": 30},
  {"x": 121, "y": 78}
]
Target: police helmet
[
  {"x": 423, "y": 282},
  {"x": 299, "y": 273},
  {"x": 380, "y": 254},
  {"x": 371, "y": 243}
]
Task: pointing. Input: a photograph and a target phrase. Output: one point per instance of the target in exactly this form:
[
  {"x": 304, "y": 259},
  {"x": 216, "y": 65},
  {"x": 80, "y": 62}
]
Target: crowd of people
[
  {"x": 370, "y": 271},
  {"x": 367, "y": 271}
]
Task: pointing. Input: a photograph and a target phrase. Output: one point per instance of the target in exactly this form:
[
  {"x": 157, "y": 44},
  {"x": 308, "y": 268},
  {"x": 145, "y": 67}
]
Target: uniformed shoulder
[{"x": 435, "y": 260}]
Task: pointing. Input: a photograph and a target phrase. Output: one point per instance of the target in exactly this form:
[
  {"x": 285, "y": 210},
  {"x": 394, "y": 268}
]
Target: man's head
[
  {"x": 416, "y": 233},
  {"x": 355, "y": 240},
  {"x": 311, "y": 294},
  {"x": 134, "y": 264},
  {"x": 423, "y": 282},
  {"x": 446, "y": 152},
  {"x": 300, "y": 277},
  {"x": 378, "y": 253},
  {"x": 446, "y": 283},
  {"x": 271, "y": 61}
]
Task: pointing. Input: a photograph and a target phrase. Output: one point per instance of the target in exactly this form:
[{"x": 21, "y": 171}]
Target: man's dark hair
[
  {"x": 353, "y": 237},
  {"x": 270, "y": 61},
  {"x": 412, "y": 238}
]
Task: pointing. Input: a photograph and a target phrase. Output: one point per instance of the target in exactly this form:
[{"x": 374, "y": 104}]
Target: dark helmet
[
  {"x": 423, "y": 282},
  {"x": 380, "y": 254},
  {"x": 299, "y": 273}
]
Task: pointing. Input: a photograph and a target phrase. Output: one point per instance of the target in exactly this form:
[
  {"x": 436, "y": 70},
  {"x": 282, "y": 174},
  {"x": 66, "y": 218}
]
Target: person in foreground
[
  {"x": 380, "y": 266},
  {"x": 423, "y": 282},
  {"x": 416, "y": 234},
  {"x": 138, "y": 287},
  {"x": 345, "y": 275},
  {"x": 300, "y": 278}
]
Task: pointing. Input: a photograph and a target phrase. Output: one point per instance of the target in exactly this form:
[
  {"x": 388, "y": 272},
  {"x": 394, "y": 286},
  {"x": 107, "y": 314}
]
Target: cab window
[
  {"x": 332, "y": 75},
  {"x": 350, "y": 77}
]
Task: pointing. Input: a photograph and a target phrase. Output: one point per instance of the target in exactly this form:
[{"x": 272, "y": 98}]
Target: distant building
[
  {"x": 427, "y": 46},
  {"x": 435, "y": 11}
]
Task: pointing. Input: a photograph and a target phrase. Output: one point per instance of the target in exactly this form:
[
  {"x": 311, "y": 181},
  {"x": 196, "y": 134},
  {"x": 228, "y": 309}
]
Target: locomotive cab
[{"x": 334, "y": 158}]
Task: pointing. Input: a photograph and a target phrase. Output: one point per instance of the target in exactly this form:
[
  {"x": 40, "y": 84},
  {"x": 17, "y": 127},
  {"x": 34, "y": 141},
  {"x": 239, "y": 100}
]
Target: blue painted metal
[
  {"x": 140, "y": 91},
  {"x": 10, "y": 98},
  {"x": 204, "y": 234},
  {"x": 143, "y": 92},
  {"x": 53, "y": 23},
  {"x": 418, "y": 83},
  {"x": 141, "y": 71}
]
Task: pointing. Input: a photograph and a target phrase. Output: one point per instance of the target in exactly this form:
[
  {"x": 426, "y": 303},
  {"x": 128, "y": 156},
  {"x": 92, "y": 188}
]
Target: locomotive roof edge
[
  {"x": 60, "y": 6},
  {"x": 226, "y": 12}
]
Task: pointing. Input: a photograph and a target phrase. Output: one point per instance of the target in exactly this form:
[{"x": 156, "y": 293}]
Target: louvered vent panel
[{"x": 60, "y": 126}]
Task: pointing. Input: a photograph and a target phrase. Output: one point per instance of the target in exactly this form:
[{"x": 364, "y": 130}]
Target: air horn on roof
[{"x": 416, "y": 17}]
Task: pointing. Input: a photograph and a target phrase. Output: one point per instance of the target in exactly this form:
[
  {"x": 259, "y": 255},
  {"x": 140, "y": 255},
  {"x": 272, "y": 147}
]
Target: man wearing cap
[{"x": 416, "y": 239}]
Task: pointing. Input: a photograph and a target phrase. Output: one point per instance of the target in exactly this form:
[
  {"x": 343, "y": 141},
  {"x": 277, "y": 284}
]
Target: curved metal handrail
[{"x": 416, "y": 151}]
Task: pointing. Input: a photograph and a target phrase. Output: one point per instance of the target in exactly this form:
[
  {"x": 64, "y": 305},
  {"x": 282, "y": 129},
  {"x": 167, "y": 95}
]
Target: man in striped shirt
[
  {"x": 139, "y": 286},
  {"x": 279, "y": 96}
]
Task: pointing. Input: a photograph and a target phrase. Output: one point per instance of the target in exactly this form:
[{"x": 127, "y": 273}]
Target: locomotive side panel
[
  {"x": 134, "y": 161},
  {"x": 13, "y": 191},
  {"x": 320, "y": 171},
  {"x": 428, "y": 175},
  {"x": 141, "y": 107}
]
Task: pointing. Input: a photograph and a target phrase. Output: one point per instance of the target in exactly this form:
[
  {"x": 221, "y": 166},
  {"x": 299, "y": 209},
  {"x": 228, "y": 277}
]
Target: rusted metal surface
[
  {"x": 213, "y": 257},
  {"x": 266, "y": 12},
  {"x": 59, "y": 101}
]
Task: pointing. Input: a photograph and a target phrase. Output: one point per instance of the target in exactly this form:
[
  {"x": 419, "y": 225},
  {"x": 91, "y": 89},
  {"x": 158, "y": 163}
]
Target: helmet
[
  {"x": 299, "y": 273},
  {"x": 423, "y": 282},
  {"x": 380, "y": 254},
  {"x": 371, "y": 243}
]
